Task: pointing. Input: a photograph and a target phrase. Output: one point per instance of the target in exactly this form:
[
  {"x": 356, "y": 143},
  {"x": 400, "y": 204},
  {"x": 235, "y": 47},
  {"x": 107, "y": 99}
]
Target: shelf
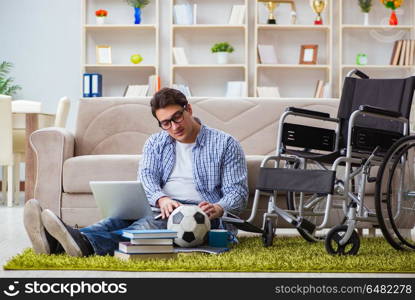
[
  {"x": 370, "y": 27},
  {"x": 294, "y": 27},
  {"x": 190, "y": 66},
  {"x": 113, "y": 66},
  {"x": 375, "y": 67},
  {"x": 209, "y": 26},
  {"x": 292, "y": 66},
  {"x": 120, "y": 26}
]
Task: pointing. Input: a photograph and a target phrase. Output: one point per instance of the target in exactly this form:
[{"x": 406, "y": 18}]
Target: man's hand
[
  {"x": 212, "y": 210},
  {"x": 167, "y": 206}
]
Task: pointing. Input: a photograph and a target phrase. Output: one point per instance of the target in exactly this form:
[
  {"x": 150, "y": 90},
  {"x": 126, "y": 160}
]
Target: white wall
[{"x": 42, "y": 39}]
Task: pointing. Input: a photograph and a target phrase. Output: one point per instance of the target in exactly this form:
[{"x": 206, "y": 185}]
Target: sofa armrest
[{"x": 52, "y": 146}]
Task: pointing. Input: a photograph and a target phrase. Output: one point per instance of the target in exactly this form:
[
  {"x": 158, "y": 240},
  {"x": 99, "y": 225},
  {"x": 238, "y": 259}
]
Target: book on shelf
[
  {"x": 268, "y": 91},
  {"x": 153, "y": 85},
  {"x": 397, "y": 52},
  {"x": 411, "y": 56},
  {"x": 408, "y": 52},
  {"x": 184, "y": 14},
  {"x": 136, "y": 90},
  {"x": 319, "y": 91},
  {"x": 152, "y": 241},
  {"x": 128, "y": 247},
  {"x": 144, "y": 256},
  {"x": 183, "y": 88},
  {"x": 267, "y": 55},
  {"x": 180, "y": 56},
  {"x": 403, "y": 53},
  {"x": 327, "y": 90},
  {"x": 237, "y": 15},
  {"x": 236, "y": 89},
  {"x": 151, "y": 233}
]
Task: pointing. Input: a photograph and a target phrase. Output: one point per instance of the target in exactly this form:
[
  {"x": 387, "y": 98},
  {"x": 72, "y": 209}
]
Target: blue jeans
[{"x": 105, "y": 235}]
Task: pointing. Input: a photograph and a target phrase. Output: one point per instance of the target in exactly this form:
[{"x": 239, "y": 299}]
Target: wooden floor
[{"x": 13, "y": 240}]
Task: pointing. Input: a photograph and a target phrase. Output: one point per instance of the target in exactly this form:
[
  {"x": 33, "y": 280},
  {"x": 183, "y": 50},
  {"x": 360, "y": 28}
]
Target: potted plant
[
  {"x": 392, "y": 4},
  {"x": 365, "y": 6},
  {"x": 138, "y": 5},
  {"x": 6, "y": 83},
  {"x": 221, "y": 50},
  {"x": 101, "y": 15}
]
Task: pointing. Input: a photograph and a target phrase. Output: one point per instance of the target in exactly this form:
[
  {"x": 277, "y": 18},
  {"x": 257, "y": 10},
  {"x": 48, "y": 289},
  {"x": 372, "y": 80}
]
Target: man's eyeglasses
[{"x": 176, "y": 118}]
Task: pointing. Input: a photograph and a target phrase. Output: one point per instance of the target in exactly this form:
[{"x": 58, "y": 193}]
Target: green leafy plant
[
  {"x": 365, "y": 5},
  {"x": 222, "y": 47},
  {"x": 138, "y": 3},
  {"x": 6, "y": 83}
]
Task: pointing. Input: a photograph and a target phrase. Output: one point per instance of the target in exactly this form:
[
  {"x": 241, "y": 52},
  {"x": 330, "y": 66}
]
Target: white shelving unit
[
  {"x": 125, "y": 39},
  {"x": 203, "y": 75},
  {"x": 376, "y": 40},
  {"x": 287, "y": 39}
]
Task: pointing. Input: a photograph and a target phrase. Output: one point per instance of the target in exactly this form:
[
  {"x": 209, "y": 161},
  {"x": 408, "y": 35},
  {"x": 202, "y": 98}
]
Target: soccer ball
[{"x": 191, "y": 224}]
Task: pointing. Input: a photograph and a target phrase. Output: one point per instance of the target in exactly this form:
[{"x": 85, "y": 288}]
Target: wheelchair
[{"x": 323, "y": 170}]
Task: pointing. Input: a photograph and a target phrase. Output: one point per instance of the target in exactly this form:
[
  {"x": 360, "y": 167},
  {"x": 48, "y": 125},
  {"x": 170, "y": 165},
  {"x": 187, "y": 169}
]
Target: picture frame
[
  {"x": 103, "y": 55},
  {"x": 308, "y": 54}
]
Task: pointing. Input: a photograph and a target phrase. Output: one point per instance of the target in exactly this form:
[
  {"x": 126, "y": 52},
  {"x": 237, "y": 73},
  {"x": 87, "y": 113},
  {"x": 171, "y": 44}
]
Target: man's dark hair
[{"x": 166, "y": 97}]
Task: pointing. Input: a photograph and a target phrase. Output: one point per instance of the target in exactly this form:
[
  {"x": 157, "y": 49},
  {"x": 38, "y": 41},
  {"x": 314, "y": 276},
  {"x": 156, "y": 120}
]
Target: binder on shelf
[
  {"x": 235, "y": 89},
  {"x": 180, "y": 56},
  {"x": 96, "y": 85},
  {"x": 86, "y": 89},
  {"x": 267, "y": 54},
  {"x": 183, "y": 14},
  {"x": 237, "y": 15}
]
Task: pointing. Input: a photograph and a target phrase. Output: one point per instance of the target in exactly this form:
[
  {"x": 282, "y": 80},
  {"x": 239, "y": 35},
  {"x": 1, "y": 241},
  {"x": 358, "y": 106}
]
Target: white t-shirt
[{"x": 180, "y": 185}]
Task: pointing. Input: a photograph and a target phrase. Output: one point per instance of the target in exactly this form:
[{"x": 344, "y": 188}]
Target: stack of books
[
  {"x": 403, "y": 53},
  {"x": 147, "y": 244}
]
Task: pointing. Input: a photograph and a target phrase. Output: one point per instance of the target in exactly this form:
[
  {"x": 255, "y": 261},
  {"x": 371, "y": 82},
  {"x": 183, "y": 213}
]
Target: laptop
[{"x": 121, "y": 199}]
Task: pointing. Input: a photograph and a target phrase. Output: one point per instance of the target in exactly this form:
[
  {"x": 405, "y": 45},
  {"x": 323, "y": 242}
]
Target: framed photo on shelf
[
  {"x": 308, "y": 54},
  {"x": 103, "y": 54}
]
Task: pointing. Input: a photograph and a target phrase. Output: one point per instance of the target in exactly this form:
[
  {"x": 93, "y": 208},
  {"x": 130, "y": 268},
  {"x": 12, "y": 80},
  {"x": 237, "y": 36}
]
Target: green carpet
[{"x": 288, "y": 254}]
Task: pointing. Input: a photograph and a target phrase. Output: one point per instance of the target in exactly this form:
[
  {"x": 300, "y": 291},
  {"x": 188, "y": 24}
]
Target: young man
[{"x": 186, "y": 163}]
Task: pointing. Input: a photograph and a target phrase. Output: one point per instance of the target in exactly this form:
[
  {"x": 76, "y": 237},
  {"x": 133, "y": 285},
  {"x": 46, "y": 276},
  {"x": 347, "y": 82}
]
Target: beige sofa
[{"x": 110, "y": 134}]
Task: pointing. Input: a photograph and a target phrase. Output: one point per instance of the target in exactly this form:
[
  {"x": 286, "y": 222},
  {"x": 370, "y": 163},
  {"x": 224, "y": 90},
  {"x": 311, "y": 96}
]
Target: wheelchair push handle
[{"x": 358, "y": 73}]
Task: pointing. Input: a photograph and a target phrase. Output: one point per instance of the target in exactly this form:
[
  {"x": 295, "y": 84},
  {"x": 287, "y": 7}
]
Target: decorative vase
[
  {"x": 222, "y": 58},
  {"x": 366, "y": 19},
  {"x": 137, "y": 15},
  {"x": 100, "y": 20},
  {"x": 393, "y": 20}
]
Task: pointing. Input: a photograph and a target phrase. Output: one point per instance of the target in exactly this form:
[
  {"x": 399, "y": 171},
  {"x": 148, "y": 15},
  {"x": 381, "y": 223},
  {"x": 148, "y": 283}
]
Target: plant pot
[
  {"x": 222, "y": 57},
  {"x": 365, "y": 19},
  {"x": 393, "y": 20},
  {"x": 137, "y": 15},
  {"x": 100, "y": 20}
]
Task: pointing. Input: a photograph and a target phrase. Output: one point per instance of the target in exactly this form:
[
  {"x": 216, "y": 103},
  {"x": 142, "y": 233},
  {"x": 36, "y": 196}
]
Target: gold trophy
[
  {"x": 271, "y": 6},
  {"x": 318, "y": 7}
]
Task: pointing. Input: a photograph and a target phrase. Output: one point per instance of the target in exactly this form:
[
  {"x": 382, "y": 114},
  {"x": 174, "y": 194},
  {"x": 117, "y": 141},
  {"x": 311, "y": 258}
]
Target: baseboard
[{"x": 21, "y": 185}]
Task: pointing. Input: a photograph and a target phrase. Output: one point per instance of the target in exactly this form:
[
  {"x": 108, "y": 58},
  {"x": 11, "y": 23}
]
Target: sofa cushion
[{"x": 80, "y": 170}]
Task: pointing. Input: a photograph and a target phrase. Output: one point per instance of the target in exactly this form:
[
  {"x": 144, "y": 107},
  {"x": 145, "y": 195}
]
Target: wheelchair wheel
[
  {"x": 333, "y": 238},
  {"x": 269, "y": 233},
  {"x": 312, "y": 238},
  {"x": 395, "y": 194}
]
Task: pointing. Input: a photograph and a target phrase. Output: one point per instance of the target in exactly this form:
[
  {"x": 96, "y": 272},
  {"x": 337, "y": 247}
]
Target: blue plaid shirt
[{"x": 219, "y": 168}]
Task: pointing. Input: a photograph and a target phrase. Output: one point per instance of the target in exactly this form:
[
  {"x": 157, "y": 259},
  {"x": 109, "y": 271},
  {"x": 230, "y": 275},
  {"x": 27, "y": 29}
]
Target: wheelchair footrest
[
  {"x": 242, "y": 224},
  {"x": 306, "y": 225},
  {"x": 295, "y": 180}
]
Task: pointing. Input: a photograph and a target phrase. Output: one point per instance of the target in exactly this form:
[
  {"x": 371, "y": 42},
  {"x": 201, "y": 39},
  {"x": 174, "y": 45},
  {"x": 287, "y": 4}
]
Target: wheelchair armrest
[
  {"x": 308, "y": 112},
  {"x": 380, "y": 111}
]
